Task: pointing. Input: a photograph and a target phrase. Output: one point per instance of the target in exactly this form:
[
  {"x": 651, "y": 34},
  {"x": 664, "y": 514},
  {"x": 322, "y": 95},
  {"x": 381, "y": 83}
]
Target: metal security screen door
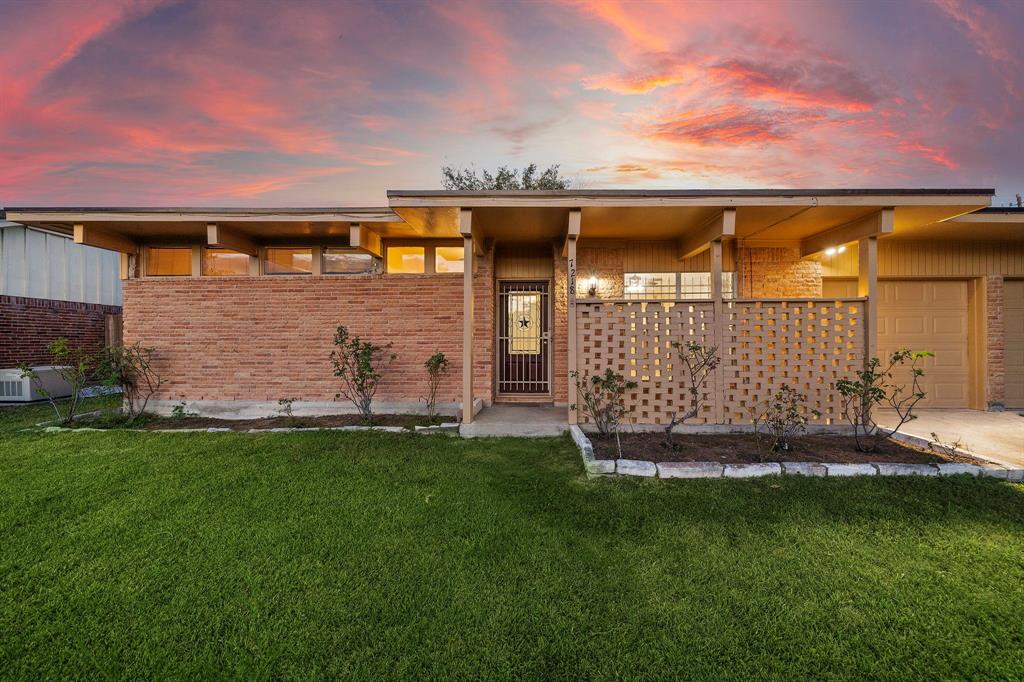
[{"x": 523, "y": 338}]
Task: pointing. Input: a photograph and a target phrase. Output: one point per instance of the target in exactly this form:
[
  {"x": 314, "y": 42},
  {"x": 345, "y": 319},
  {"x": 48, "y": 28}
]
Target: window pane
[
  {"x": 449, "y": 259},
  {"x": 343, "y": 261},
  {"x": 524, "y": 323},
  {"x": 161, "y": 262},
  {"x": 288, "y": 261},
  {"x": 224, "y": 262},
  {"x": 405, "y": 259},
  {"x": 646, "y": 285}
]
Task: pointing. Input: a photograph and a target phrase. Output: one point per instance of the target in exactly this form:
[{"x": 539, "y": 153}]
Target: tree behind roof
[{"x": 505, "y": 178}]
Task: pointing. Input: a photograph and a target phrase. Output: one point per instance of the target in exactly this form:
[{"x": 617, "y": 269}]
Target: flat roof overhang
[
  {"x": 806, "y": 218},
  {"x": 762, "y": 216}
]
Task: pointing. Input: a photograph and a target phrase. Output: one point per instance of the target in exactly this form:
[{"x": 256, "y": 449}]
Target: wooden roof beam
[
  {"x": 877, "y": 224},
  {"x": 361, "y": 237},
  {"x": 226, "y": 238},
  {"x": 720, "y": 226},
  {"x": 103, "y": 239}
]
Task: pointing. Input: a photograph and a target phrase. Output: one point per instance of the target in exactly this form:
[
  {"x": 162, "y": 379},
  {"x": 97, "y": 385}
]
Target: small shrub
[
  {"x": 603, "y": 398},
  {"x": 697, "y": 362},
  {"x": 131, "y": 369},
  {"x": 947, "y": 448},
  {"x": 284, "y": 409},
  {"x": 437, "y": 366},
  {"x": 781, "y": 420},
  {"x": 360, "y": 366},
  {"x": 181, "y": 411},
  {"x": 76, "y": 365},
  {"x": 874, "y": 386}
]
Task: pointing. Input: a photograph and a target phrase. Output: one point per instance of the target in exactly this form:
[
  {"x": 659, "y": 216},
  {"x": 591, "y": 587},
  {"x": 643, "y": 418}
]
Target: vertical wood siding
[{"x": 913, "y": 258}]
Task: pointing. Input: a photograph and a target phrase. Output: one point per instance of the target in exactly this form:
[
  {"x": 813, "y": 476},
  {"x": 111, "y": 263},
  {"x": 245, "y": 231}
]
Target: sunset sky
[{"x": 289, "y": 104}]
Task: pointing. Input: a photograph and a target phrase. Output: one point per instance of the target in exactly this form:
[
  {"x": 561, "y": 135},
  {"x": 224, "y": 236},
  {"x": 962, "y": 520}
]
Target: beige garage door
[
  {"x": 932, "y": 316},
  {"x": 1013, "y": 316}
]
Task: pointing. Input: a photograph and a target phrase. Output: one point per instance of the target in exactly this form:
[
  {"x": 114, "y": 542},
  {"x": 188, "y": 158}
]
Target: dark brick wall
[{"x": 27, "y": 325}]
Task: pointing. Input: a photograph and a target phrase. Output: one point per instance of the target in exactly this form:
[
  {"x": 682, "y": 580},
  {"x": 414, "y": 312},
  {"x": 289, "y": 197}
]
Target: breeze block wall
[
  {"x": 28, "y": 325},
  {"x": 266, "y": 338}
]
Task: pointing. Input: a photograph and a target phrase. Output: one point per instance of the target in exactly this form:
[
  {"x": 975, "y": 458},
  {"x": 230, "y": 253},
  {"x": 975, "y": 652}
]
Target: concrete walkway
[
  {"x": 996, "y": 436},
  {"x": 531, "y": 421}
]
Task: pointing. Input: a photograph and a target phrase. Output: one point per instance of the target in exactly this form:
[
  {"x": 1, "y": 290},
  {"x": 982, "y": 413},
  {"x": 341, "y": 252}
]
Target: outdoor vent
[{"x": 12, "y": 389}]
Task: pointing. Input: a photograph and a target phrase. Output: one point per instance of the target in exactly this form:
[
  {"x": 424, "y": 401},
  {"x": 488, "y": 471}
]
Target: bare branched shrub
[
  {"x": 131, "y": 369},
  {"x": 698, "y": 362},
  {"x": 360, "y": 366},
  {"x": 603, "y": 399},
  {"x": 781, "y": 420}
]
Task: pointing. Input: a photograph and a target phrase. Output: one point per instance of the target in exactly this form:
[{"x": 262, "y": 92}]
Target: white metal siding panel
[{"x": 38, "y": 264}]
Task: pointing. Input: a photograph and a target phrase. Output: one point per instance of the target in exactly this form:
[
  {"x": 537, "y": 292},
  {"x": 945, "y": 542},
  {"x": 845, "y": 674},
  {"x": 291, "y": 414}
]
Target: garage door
[
  {"x": 932, "y": 316},
  {"x": 1013, "y": 317}
]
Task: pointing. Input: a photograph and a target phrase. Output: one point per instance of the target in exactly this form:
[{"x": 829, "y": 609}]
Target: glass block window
[
  {"x": 449, "y": 259},
  {"x": 675, "y": 285},
  {"x": 347, "y": 262},
  {"x": 224, "y": 263},
  {"x": 168, "y": 261},
  {"x": 406, "y": 259},
  {"x": 280, "y": 261}
]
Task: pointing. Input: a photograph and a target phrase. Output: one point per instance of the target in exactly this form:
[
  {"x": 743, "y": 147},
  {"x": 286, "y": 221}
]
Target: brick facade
[
  {"x": 28, "y": 325},
  {"x": 266, "y": 338},
  {"x": 995, "y": 335},
  {"x": 776, "y": 273}
]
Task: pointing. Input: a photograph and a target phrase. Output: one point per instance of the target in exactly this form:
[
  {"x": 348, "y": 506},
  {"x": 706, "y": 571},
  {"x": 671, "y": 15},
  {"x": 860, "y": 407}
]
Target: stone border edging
[
  {"x": 447, "y": 428},
  {"x": 636, "y": 467}
]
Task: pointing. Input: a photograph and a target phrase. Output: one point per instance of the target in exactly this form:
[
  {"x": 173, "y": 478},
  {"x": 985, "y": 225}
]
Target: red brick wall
[
  {"x": 995, "y": 333},
  {"x": 266, "y": 338},
  {"x": 28, "y": 325},
  {"x": 776, "y": 273}
]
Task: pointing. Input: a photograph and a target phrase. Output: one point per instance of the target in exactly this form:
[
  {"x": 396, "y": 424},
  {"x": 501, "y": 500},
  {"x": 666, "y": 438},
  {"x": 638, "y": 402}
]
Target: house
[
  {"x": 52, "y": 287},
  {"x": 524, "y": 288}
]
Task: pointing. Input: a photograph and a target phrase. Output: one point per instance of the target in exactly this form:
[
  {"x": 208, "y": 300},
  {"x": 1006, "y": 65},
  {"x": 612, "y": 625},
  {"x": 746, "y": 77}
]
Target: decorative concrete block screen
[{"x": 809, "y": 344}]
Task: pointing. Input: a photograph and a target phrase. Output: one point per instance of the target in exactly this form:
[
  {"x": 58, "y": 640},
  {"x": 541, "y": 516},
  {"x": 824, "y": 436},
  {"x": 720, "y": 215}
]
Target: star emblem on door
[{"x": 524, "y": 323}]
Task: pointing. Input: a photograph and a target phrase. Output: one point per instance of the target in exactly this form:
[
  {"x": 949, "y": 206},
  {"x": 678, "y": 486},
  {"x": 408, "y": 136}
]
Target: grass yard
[{"x": 369, "y": 555}]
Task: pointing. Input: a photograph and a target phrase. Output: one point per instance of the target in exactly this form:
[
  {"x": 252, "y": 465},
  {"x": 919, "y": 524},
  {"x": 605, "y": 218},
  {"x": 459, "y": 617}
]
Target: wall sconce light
[
  {"x": 591, "y": 284},
  {"x": 833, "y": 250}
]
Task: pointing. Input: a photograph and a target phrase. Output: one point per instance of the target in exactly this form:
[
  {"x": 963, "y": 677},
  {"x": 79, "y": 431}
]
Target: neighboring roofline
[
  {"x": 1001, "y": 209},
  {"x": 692, "y": 192},
  {"x": 164, "y": 213}
]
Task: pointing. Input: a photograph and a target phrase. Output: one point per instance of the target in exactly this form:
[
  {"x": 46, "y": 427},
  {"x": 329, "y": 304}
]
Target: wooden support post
[
  {"x": 572, "y": 233},
  {"x": 867, "y": 287},
  {"x": 718, "y": 334},
  {"x": 466, "y": 228}
]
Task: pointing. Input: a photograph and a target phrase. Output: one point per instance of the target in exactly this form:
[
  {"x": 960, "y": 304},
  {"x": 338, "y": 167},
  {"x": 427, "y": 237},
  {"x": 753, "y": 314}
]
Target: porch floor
[{"x": 531, "y": 421}]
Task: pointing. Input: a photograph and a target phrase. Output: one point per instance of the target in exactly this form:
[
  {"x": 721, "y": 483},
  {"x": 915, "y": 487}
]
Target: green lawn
[{"x": 367, "y": 555}]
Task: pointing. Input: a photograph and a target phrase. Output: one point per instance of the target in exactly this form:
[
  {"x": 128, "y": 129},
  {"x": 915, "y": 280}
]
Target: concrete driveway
[{"x": 996, "y": 436}]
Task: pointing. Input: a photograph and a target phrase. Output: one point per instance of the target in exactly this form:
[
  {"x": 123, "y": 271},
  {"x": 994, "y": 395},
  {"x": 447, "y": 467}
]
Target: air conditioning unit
[{"x": 15, "y": 389}]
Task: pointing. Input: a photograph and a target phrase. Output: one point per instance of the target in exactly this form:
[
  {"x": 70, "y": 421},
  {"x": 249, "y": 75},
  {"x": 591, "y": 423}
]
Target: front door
[{"x": 523, "y": 338}]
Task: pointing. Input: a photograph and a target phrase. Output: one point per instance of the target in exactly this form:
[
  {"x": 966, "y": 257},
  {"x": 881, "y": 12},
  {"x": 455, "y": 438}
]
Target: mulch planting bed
[
  {"x": 741, "y": 448},
  {"x": 408, "y": 421}
]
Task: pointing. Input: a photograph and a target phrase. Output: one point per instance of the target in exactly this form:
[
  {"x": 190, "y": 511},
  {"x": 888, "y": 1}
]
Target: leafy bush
[
  {"x": 875, "y": 386},
  {"x": 603, "y": 398},
  {"x": 697, "y": 361},
  {"x": 437, "y": 366},
  {"x": 181, "y": 411},
  {"x": 131, "y": 369},
  {"x": 360, "y": 366},
  {"x": 781, "y": 420},
  {"x": 76, "y": 365}
]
